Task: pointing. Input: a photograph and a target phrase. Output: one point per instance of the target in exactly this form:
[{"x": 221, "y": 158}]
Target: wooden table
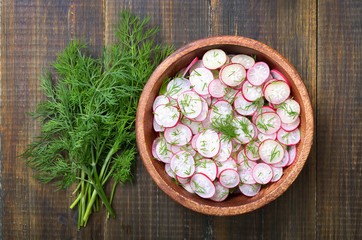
[{"x": 322, "y": 39}]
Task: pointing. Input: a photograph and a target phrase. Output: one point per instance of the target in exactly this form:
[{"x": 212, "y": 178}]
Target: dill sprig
[
  {"x": 88, "y": 119},
  {"x": 224, "y": 125}
]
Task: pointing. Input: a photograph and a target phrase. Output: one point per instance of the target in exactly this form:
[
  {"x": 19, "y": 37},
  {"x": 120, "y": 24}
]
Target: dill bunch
[{"x": 88, "y": 119}]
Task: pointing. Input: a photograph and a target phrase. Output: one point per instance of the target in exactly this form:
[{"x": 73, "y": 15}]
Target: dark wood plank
[
  {"x": 339, "y": 117},
  {"x": 31, "y": 35}
]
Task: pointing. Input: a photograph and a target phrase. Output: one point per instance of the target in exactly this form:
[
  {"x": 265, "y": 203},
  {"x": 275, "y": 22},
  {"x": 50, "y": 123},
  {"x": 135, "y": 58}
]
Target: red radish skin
[
  {"x": 289, "y": 127},
  {"x": 169, "y": 171},
  {"x": 251, "y": 151},
  {"x": 284, "y": 162},
  {"x": 189, "y": 66},
  {"x": 228, "y": 164},
  {"x": 161, "y": 99},
  {"x": 278, "y": 75}
]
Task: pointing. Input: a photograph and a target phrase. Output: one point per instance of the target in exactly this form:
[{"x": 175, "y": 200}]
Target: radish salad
[{"x": 226, "y": 124}]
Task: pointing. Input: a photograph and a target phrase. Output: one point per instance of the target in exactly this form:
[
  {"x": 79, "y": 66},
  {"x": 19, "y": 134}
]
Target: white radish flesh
[
  {"x": 232, "y": 75},
  {"x": 163, "y": 151},
  {"x": 277, "y": 173},
  {"x": 160, "y": 100},
  {"x": 244, "y": 60},
  {"x": 200, "y": 79},
  {"x": 220, "y": 110},
  {"x": 229, "y": 178},
  {"x": 277, "y": 92},
  {"x": 288, "y": 111},
  {"x": 202, "y": 185},
  {"x": 250, "y": 92},
  {"x": 291, "y": 126},
  {"x": 183, "y": 164},
  {"x": 221, "y": 193},
  {"x": 284, "y": 161},
  {"x": 278, "y": 75},
  {"x": 190, "y": 104},
  {"x": 289, "y": 138},
  {"x": 243, "y": 106},
  {"x": 244, "y": 129},
  {"x": 214, "y": 59},
  {"x": 251, "y": 150},
  {"x": 179, "y": 135},
  {"x": 217, "y": 89},
  {"x": 292, "y": 154},
  {"x": 226, "y": 148},
  {"x": 262, "y": 173},
  {"x": 207, "y": 167},
  {"x": 268, "y": 123},
  {"x": 271, "y": 151},
  {"x": 208, "y": 143},
  {"x": 177, "y": 86},
  {"x": 167, "y": 116},
  {"x": 258, "y": 73},
  {"x": 245, "y": 171},
  {"x": 250, "y": 190},
  {"x": 228, "y": 164}
]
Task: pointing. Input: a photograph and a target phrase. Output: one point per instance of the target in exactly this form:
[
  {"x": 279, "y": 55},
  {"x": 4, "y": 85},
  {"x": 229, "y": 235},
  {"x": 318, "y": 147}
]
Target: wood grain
[
  {"x": 322, "y": 40},
  {"x": 339, "y": 124}
]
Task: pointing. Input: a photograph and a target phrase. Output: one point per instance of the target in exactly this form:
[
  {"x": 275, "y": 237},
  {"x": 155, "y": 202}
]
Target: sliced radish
[
  {"x": 226, "y": 148},
  {"x": 251, "y": 150},
  {"x": 236, "y": 146},
  {"x": 206, "y": 123},
  {"x": 208, "y": 143},
  {"x": 193, "y": 140},
  {"x": 230, "y": 95},
  {"x": 160, "y": 100},
  {"x": 277, "y": 173},
  {"x": 242, "y": 106},
  {"x": 278, "y": 75},
  {"x": 181, "y": 180},
  {"x": 154, "y": 144},
  {"x": 200, "y": 79},
  {"x": 262, "y": 137},
  {"x": 207, "y": 167},
  {"x": 195, "y": 127},
  {"x": 157, "y": 127},
  {"x": 221, "y": 193},
  {"x": 250, "y": 92},
  {"x": 268, "y": 123},
  {"x": 228, "y": 164},
  {"x": 169, "y": 171},
  {"x": 163, "y": 151},
  {"x": 176, "y": 86},
  {"x": 291, "y": 126},
  {"x": 232, "y": 74},
  {"x": 189, "y": 66},
  {"x": 241, "y": 157},
  {"x": 198, "y": 64},
  {"x": 292, "y": 154},
  {"x": 245, "y": 130},
  {"x": 262, "y": 173},
  {"x": 217, "y": 89},
  {"x": 229, "y": 178},
  {"x": 202, "y": 185},
  {"x": 190, "y": 104},
  {"x": 250, "y": 190},
  {"x": 263, "y": 109},
  {"x": 288, "y": 111},
  {"x": 258, "y": 73},
  {"x": 183, "y": 164},
  {"x": 289, "y": 138},
  {"x": 188, "y": 187},
  {"x": 284, "y": 161},
  {"x": 245, "y": 171},
  {"x": 178, "y": 135},
  {"x": 187, "y": 147},
  {"x": 220, "y": 110},
  {"x": 244, "y": 60},
  {"x": 277, "y": 92},
  {"x": 203, "y": 115},
  {"x": 271, "y": 151},
  {"x": 267, "y": 82},
  {"x": 214, "y": 59},
  {"x": 166, "y": 116}
]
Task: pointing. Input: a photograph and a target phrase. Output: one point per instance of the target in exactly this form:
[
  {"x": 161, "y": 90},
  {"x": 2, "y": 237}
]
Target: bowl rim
[{"x": 302, "y": 156}]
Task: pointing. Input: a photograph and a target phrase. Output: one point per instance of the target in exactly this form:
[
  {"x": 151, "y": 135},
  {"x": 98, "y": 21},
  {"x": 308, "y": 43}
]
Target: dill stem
[
  {"x": 76, "y": 201},
  {"x": 112, "y": 194}
]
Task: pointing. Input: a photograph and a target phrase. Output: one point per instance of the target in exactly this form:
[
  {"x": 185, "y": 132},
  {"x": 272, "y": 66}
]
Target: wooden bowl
[{"x": 237, "y": 203}]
